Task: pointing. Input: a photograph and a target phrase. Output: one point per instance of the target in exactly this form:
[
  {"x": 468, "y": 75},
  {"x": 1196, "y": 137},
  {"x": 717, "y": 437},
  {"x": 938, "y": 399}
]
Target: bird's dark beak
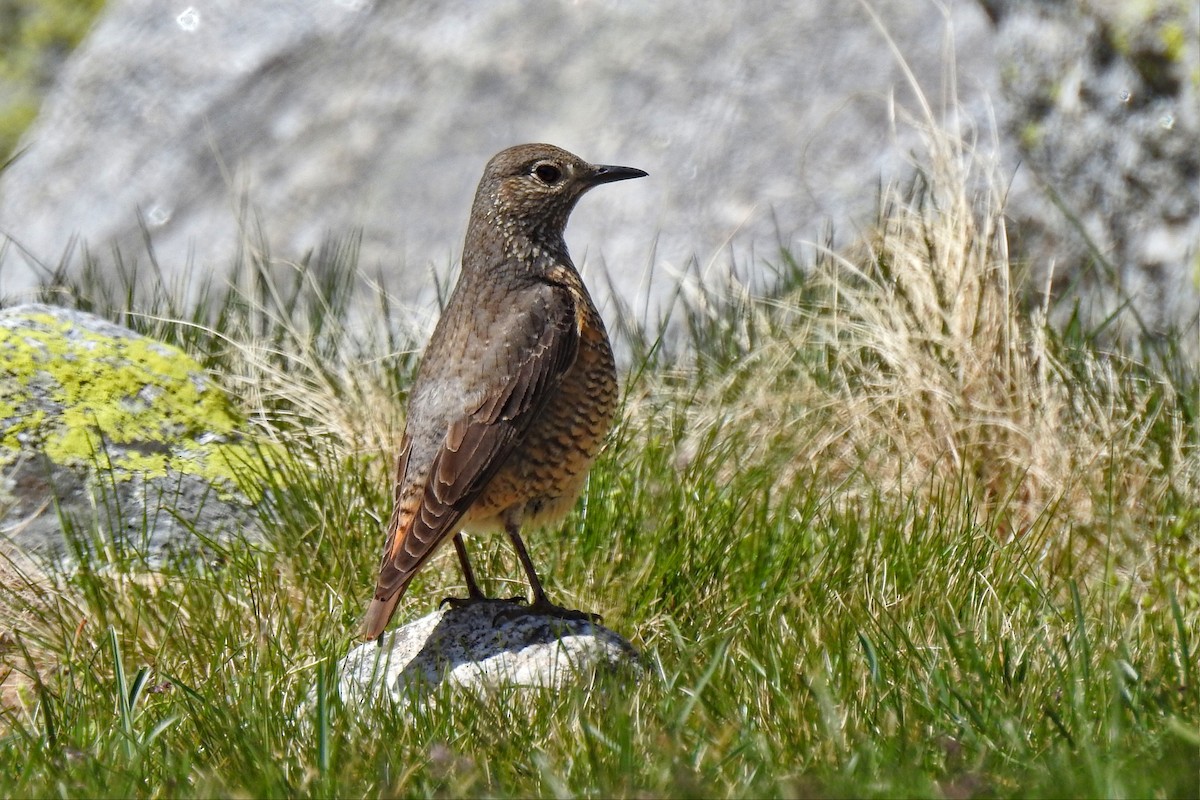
[{"x": 604, "y": 173}]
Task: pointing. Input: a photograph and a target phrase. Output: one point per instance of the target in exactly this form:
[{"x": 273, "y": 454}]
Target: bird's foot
[
  {"x": 472, "y": 599},
  {"x": 543, "y": 607}
]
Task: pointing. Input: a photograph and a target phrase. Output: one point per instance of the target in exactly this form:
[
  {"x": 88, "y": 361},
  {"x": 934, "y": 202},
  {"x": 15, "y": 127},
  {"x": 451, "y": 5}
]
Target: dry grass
[
  {"x": 910, "y": 364},
  {"x": 16, "y": 614}
]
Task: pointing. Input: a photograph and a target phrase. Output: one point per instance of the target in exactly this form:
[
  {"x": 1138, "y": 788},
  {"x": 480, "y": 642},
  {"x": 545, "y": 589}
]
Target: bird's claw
[
  {"x": 545, "y": 608},
  {"x": 470, "y": 600}
]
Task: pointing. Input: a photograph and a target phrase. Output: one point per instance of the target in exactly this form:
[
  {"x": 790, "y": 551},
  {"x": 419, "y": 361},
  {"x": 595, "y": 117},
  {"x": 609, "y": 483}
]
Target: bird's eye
[{"x": 547, "y": 174}]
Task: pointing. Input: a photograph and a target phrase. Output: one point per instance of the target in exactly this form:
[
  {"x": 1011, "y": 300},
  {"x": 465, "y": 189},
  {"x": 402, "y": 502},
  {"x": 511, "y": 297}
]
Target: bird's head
[{"x": 530, "y": 189}]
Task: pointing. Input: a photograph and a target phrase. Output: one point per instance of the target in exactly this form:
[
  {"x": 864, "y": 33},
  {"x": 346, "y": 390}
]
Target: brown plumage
[{"x": 517, "y": 387}]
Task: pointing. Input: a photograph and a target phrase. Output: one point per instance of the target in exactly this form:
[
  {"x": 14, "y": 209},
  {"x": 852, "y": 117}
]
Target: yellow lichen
[{"x": 120, "y": 401}]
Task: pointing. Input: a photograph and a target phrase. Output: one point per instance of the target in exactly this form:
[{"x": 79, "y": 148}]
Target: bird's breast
[{"x": 548, "y": 470}]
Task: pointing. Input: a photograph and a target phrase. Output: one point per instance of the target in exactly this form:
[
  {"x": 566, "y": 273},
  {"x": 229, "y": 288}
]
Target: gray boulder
[
  {"x": 469, "y": 647},
  {"x": 758, "y": 123},
  {"x": 118, "y": 435}
]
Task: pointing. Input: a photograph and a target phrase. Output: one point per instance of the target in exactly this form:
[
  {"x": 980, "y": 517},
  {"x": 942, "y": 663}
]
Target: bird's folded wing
[{"x": 541, "y": 344}]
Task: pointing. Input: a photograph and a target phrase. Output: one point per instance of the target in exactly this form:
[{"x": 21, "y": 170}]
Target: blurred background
[{"x": 177, "y": 133}]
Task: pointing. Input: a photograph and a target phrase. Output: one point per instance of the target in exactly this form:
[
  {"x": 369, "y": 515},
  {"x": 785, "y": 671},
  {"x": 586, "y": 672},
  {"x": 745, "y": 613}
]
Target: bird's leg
[
  {"x": 541, "y": 604},
  {"x": 460, "y": 547},
  {"x": 474, "y": 593}
]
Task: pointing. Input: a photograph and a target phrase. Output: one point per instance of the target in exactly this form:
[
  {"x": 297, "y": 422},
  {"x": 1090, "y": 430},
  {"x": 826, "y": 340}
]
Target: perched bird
[{"x": 517, "y": 388}]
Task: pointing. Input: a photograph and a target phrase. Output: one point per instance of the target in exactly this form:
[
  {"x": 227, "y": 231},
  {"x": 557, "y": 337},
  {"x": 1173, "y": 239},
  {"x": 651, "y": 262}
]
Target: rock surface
[
  {"x": 760, "y": 124},
  {"x": 1104, "y": 108},
  {"x": 756, "y": 126},
  {"x": 116, "y": 432},
  {"x": 468, "y": 647}
]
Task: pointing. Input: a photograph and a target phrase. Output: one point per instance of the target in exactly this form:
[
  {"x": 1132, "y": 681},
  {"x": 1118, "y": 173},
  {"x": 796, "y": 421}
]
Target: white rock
[{"x": 469, "y": 647}]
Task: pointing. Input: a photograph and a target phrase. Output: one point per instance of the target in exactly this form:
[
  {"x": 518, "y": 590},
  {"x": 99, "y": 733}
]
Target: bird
[{"x": 517, "y": 388}]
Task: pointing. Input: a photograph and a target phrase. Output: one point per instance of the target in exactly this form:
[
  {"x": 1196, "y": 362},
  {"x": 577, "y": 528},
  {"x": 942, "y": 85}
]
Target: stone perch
[{"x": 468, "y": 647}]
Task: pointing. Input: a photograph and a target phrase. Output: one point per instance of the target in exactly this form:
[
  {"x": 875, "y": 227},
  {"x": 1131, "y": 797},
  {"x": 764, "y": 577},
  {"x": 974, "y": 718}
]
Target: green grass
[{"x": 883, "y": 533}]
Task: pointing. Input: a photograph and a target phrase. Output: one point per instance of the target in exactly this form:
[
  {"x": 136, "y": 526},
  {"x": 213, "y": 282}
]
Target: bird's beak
[{"x": 604, "y": 173}]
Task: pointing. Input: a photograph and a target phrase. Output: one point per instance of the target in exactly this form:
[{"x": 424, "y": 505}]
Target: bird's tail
[{"x": 379, "y": 614}]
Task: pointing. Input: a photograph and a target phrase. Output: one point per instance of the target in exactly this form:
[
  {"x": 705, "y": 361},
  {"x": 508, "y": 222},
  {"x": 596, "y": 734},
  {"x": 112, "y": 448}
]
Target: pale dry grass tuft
[
  {"x": 23, "y": 586},
  {"x": 306, "y": 348},
  {"x": 909, "y": 365}
]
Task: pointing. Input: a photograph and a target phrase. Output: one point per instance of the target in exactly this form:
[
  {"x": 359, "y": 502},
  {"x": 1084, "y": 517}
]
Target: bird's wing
[{"x": 537, "y": 346}]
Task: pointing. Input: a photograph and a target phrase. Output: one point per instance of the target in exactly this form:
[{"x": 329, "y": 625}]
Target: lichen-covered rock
[
  {"x": 116, "y": 432},
  {"x": 472, "y": 647}
]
